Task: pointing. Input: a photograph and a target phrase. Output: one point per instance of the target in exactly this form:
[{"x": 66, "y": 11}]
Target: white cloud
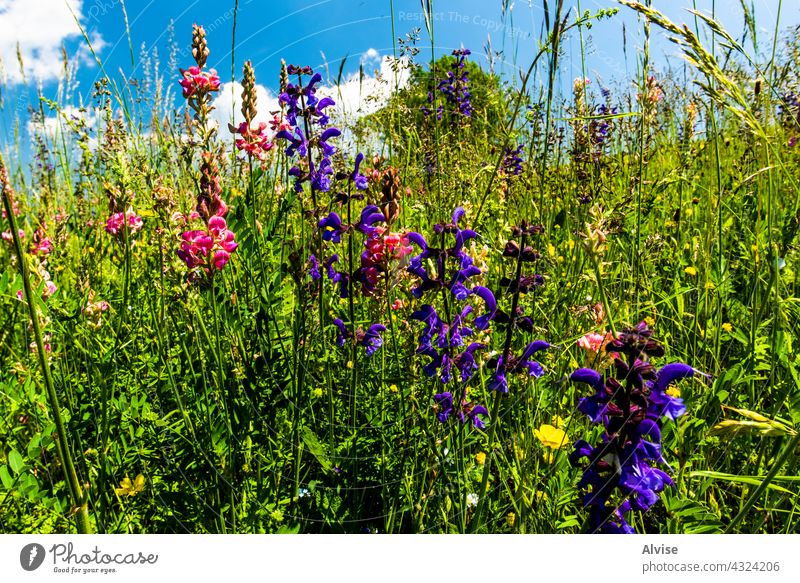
[
  {"x": 370, "y": 56},
  {"x": 40, "y": 27},
  {"x": 354, "y": 97},
  {"x": 228, "y": 102},
  {"x": 357, "y": 96}
]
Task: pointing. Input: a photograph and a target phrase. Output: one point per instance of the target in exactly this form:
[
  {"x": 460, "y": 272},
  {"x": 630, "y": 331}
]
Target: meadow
[{"x": 489, "y": 306}]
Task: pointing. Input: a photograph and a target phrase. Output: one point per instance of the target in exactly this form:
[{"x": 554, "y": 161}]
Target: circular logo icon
[{"x": 31, "y": 556}]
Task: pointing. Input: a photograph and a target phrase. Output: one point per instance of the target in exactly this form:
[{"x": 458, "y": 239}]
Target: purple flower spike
[{"x": 629, "y": 401}]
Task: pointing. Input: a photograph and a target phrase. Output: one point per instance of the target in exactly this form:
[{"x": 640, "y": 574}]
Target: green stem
[{"x": 79, "y": 497}]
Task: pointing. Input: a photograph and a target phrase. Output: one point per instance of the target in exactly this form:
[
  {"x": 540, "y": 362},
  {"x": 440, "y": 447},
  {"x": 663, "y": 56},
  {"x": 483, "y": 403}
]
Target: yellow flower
[
  {"x": 673, "y": 391},
  {"x": 318, "y": 392},
  {"x": 728, "y": 327},
  {"x": 551, "y": 437},
  {"x": 480, "y": 458},
  {"x": 511, "y": 519},
  {"x": 349, "y": 364},
  {"x": 128, "y": 488},
  {"x": 393, "y": 388},
  {"x": 690, "y": 271},
  {"x": 519, "y": 452}
]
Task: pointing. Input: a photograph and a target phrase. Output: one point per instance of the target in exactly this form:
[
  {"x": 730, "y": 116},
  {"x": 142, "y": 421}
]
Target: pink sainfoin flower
[
  {"x": 8, "y": 237},
  {"x": 116, "y": 222},
  {"x": 49, "y": 289},
  {"x": 253, "y": 141},
  {"x": 42, "y": 245},
  {"x": 595, "y": 346},
  {"x": 213, "y": 247},
  {"x": 197, "y": 81},
  {"x": 279, "y": 123},
  {"x": 385, "y": 244}
]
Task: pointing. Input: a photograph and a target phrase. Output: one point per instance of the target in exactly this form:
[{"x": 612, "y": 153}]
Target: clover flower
[{"x": 620, "y": 475}]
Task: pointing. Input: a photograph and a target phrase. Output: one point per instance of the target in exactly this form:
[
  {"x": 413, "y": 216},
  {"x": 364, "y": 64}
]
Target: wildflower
[
  {"x": 204, "y": 248},
  {"x": 209, "y": 200},
  {"x": 472, "y": 500},
  {"x": 511, "y": 519},
  {"x": 629, "y": 403},
  {"x": 359, "y": 179},
  {"x": 130, "y": 488},
  {"x": 466, "y": 411},
  {"x": 455, "y": 85},
  {"x": 8, "y": 236},
  {"x": 498, "y": 382},
  {"x": 691, "y": 271},
  {"x": 332, "y": 228},
  {"x": 49, "y": 289},
  {"x": 116, "y": 223},
  {"x": 727, "y": 327},
  {"x": 254, "y": 142},
  {"x": 371, "y": 338},
  {"x": 196, "y": 81},
  {"x": 94, "y": 311},
  {"x": 512, "y": 160},
  {"x": 550, "y": 436},
  {"x": 480, "y": 458},
  {"x": 42, "y": 244},
  {"x": 313, "y": 268}
]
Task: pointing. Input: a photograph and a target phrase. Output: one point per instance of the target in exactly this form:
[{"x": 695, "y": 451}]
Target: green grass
[{"x": 231, "y": 398}]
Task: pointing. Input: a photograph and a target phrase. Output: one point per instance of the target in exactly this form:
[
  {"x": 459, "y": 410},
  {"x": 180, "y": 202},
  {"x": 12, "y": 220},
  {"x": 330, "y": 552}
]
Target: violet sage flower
[{"x": 620, "y": 473}]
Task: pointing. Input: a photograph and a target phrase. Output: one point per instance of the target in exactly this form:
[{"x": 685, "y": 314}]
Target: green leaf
[
  {"x": 5, "y": 478},
  {"x": 317, "y": 449},
  {"x": 15, "y": 461},
  {"x": 750, "y": 480}
]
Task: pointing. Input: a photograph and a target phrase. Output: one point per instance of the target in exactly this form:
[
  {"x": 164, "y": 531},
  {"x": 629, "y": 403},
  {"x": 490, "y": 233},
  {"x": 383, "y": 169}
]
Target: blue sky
[{"x": 315, "y": 32}]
